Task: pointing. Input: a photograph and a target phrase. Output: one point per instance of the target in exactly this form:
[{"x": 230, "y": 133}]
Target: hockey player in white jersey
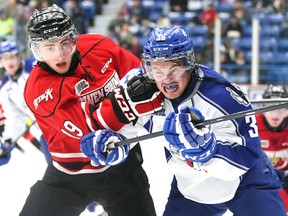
[
  {"x": 15, "y": 109},
  {"x": 216, "y": 167}
]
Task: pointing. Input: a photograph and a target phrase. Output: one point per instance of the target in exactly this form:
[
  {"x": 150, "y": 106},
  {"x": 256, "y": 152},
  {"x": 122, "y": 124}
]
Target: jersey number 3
[{"x": 251, "y": 120}]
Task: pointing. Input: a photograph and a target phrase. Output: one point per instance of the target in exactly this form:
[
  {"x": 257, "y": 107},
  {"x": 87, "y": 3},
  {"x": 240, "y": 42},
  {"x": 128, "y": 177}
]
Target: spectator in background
[
  {"x": 115, "y": 24},
  {"x": 208, "y": 15},
  {"x": 279, "y": 6},
  {"x": 137, "y": 10},
  {"x": 240, "y": 12},
  {"x": 134, "y": 26},
  {"x": 163, "y": 21},
  {"x": 230, "y": 49},
  {"x": 240, "y": 58},
  {"x": 99, "y": 6},
  {"x": 77, "y": 15},
  {"x": 242, "y": 74},
  {"x": 136, "y": 47},
  {"x": 178, "y": 5},
  {"x": 146, "y": 27},
  {"x": 273, "y": 132},
  {"x": 89, "y": 8},
  {"x": 6, "y": 25},
  {"x": 262, "y": 5},
  {"x": 234, "y": 28},
  {"x": 195, "y": 5},
  {"x": 125, "y": 37},
  {"x": 43, "y": 3}
]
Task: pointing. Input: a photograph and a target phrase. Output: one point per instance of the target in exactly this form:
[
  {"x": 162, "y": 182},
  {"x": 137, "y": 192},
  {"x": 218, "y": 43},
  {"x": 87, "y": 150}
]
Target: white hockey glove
[
  {"x": 197, "y": 144},
  {"x": 94, "y": 145},
  {"x": 139, "y": 97}
]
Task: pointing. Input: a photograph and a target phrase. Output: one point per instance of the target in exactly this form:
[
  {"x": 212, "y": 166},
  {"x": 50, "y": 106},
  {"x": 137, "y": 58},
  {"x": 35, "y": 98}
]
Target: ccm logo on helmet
[
  {"x": 50, "y": 30},
  {"x": 123, "y": 105},
  {"x": 160, "y": 48}
]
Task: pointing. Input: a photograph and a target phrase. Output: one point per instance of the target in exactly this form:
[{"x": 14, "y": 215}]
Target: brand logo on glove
[{"x": 123, "y": 105}]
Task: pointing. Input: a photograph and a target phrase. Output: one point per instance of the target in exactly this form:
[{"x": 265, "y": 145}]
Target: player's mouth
[
  {"x": 172, "y": 87},
  {"x": 61, "y": 65},
  {"x": 11, "y": 67}
]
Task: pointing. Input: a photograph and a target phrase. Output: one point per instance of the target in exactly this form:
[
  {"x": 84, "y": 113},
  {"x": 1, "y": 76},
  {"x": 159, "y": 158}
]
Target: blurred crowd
[{"x": 136, "y": 18}]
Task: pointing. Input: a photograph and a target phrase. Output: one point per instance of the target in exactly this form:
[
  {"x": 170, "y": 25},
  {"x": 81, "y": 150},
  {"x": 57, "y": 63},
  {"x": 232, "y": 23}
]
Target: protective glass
[
  {"x": 176, "y": 71},
  {"x": 50, "y": 50}
]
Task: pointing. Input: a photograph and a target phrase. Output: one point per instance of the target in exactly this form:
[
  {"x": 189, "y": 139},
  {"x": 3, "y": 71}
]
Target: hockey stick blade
[{"x": 205, "y": 122}]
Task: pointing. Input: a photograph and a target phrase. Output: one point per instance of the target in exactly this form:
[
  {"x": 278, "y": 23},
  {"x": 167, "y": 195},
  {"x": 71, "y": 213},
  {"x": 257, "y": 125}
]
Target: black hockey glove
[{"x": 139, "y": 97}]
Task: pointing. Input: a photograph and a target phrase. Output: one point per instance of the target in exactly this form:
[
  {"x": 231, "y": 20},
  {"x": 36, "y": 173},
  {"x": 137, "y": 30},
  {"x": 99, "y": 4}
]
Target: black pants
[{"x": 122, "y": 190}]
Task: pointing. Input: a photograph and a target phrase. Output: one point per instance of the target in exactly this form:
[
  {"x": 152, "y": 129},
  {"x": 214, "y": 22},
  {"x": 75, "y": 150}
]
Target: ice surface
[{"x": 24, "y": 170}]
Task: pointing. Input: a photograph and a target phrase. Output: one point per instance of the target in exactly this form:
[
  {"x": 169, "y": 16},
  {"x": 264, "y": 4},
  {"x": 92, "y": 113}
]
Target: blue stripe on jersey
[{"x": 149, "y": 125}]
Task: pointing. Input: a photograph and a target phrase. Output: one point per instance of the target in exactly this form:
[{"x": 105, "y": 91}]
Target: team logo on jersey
[
  {"x": 94, "y": 96},
  {"x": 80, "y": 86},
  {"x": 45, "y": 96},
  {"x": 240, "y": 99}
]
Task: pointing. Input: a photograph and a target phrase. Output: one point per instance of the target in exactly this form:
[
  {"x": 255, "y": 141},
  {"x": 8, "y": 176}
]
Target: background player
[{"x": 273, "y": 131}]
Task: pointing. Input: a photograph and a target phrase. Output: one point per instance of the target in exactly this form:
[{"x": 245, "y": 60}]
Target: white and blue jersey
[
  {"x": 15, "y": 109},
  {"x": 217, "y": 180}
]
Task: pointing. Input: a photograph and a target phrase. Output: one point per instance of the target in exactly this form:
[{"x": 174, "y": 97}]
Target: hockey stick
[
  {"x": 273, "y": 100},
  {"x": 26, "y": 131},
  {"x": 205, "y": 122}
]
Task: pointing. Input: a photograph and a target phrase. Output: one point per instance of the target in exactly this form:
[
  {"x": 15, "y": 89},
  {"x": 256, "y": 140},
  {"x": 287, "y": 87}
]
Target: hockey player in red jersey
[
  {"x": 273, "y": 131},
  {"x": 72, "y": 75}
]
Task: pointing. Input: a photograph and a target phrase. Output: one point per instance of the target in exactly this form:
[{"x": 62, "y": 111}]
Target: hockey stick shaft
[
  {"x": 205, "y": 122},
  {"x": 273, "y": 100}
]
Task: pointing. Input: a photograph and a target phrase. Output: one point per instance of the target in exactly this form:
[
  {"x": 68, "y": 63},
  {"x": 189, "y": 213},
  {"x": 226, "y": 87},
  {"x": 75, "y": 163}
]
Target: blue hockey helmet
[
  {"x": 166, "y": 44},
  {"x": 9, "y": 47},
  {"x": 275, "y": 91}
]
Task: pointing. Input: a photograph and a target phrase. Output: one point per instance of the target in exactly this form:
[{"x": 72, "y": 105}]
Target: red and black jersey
[
  {"x": 58, "y": 102},
  {"x": 274, "y": 143}
]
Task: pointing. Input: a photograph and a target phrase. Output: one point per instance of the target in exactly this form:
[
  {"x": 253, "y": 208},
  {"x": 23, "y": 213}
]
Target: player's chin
[{"x": 171, "y": 95}]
